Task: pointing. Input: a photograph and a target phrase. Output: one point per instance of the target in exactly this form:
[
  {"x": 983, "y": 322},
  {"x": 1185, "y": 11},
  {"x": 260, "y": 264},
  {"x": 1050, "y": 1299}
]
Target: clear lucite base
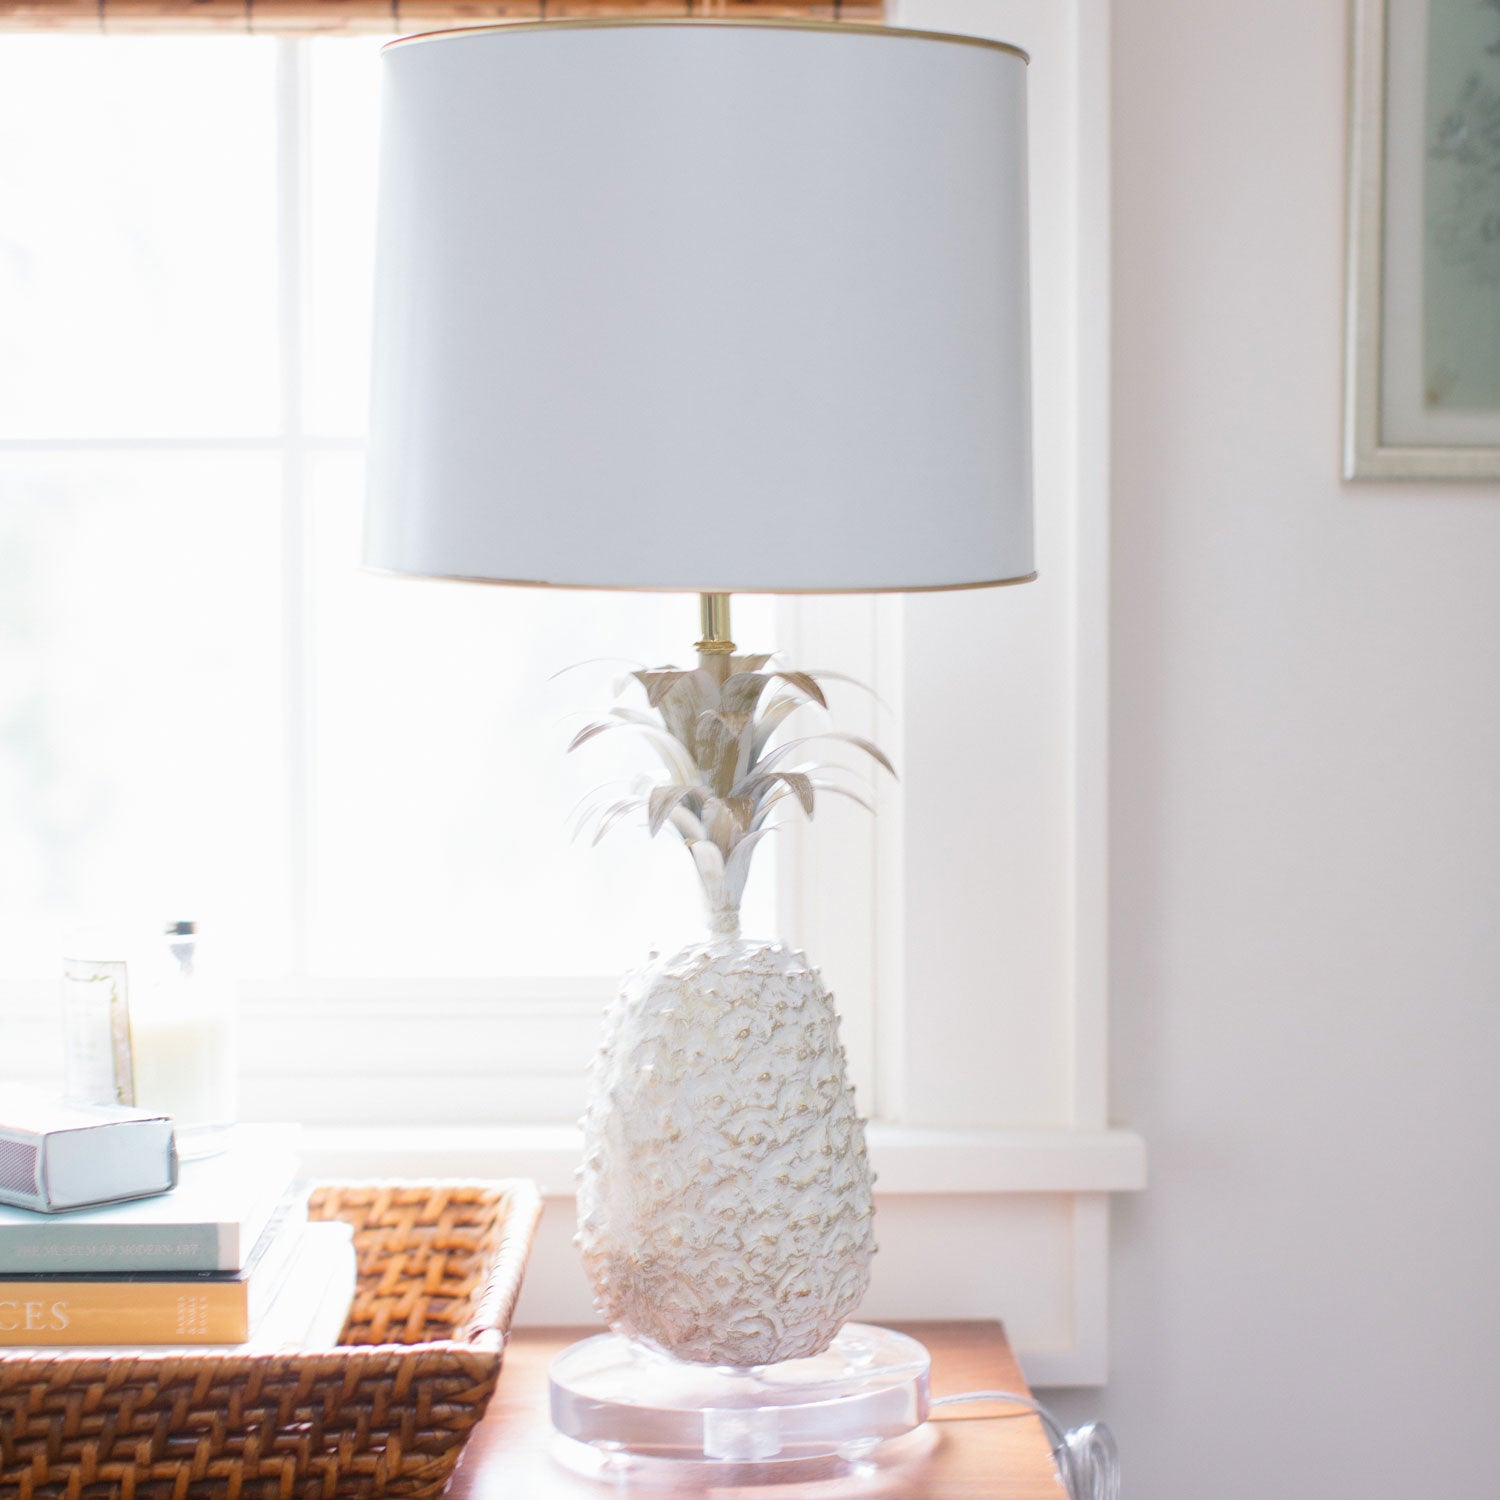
[{"x": 625, "y": 1400}]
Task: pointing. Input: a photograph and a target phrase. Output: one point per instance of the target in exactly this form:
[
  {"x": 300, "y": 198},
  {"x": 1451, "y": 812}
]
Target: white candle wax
[{"x": 184, "y": 1062}]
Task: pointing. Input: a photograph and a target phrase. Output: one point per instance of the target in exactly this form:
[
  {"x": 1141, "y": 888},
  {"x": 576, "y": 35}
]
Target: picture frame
[{"x": 1422, "y": 323}]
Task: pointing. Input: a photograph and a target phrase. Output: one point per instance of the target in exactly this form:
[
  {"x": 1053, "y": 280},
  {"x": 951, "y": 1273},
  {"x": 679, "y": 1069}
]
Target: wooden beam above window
[{"x": 303, "y": 17}]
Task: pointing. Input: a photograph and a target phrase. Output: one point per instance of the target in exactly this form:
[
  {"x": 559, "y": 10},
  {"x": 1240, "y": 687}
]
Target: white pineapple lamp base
[{"x": 636, "y": 1407}]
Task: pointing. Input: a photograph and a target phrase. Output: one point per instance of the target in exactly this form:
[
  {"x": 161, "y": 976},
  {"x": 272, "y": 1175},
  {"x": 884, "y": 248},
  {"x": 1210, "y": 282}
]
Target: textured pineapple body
[{"x": 725, "y": 1210}]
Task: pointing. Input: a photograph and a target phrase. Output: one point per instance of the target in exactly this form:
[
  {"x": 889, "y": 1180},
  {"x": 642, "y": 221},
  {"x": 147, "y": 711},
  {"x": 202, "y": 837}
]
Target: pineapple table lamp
[{"x": 713, "y": 307}]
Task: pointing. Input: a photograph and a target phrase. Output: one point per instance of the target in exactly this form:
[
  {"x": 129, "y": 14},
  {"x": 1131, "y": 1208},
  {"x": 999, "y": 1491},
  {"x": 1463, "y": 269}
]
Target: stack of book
[{"x": 226, "y": 1258}]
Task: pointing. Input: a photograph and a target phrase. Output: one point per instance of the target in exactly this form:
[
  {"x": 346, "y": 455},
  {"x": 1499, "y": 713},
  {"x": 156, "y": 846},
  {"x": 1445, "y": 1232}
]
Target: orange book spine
[{"x": 123, "y": 1312}]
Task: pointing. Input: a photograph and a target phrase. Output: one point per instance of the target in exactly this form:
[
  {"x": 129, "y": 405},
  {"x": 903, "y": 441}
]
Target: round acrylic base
[{"x": 625, "y": 1401}]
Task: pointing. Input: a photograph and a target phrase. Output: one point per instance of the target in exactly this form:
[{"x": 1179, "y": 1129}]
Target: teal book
[{"x": 210, "y": 1221}]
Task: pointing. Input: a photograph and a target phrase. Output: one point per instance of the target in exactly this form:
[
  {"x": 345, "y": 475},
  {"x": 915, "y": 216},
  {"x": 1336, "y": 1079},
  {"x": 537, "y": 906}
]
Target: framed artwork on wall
[{"x": 1422, "y": 333}]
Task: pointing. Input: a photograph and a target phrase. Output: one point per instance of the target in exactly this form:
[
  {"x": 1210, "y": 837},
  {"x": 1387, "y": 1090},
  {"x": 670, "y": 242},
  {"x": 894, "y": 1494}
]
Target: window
[{"x": 210, "y": 709}]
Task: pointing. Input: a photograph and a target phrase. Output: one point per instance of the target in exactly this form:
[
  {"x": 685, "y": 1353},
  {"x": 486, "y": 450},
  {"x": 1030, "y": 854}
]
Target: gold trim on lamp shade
[
  {"x": 686, "y": 588},
  {"x": 745, "y": 23}
]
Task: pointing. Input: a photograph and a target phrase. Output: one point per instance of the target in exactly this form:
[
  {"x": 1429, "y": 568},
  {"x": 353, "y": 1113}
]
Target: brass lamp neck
[
  {"x": 713, "y": 610},
  {"x": 716, "y": 649}
]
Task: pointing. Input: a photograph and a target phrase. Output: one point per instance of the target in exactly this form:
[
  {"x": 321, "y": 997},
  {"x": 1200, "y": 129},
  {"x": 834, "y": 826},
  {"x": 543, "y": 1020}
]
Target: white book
[
  {"x": 314, "y": 1318},
  {"x": 209, "y": 1222},
  {"x": 56, "y": 1156}
]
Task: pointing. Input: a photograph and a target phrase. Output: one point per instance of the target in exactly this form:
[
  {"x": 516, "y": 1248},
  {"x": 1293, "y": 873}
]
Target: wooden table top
[{"x": 970, "y": 1452}]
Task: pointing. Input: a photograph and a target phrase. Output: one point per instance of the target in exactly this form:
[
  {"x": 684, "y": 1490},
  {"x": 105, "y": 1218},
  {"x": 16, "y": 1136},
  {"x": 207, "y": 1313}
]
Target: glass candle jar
[{"x": 182, "y": 1045}]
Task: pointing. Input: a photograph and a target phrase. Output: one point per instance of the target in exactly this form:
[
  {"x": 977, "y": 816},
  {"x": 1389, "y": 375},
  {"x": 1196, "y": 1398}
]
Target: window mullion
[{"x": 292, "y": 177}]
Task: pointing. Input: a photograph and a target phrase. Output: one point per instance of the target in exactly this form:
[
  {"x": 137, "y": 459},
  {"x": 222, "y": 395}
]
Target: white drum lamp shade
[{"x": 703, "y": 306}]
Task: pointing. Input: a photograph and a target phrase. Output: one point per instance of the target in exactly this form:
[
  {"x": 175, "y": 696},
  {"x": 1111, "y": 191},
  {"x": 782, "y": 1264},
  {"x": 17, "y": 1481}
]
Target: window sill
[{"x": 908, "y": 1160}]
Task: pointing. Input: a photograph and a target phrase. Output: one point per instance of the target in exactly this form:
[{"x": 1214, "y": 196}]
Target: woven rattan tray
[{"x": 385, "y": 1413}]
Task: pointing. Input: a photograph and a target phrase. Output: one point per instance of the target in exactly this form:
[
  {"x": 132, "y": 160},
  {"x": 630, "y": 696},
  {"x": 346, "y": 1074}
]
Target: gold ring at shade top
[{"x": 586, "y": 23}]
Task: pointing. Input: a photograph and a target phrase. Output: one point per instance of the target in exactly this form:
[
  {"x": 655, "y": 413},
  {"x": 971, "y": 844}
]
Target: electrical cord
[{"x": 1087, "y": 1458}]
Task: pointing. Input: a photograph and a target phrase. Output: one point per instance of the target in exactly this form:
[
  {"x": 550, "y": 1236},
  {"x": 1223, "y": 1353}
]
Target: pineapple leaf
[
  {"x": 858, "y": 741},
  {"x": 767, "y": 805},
  {"x": 613, "y": 815},
  {"x": 663, "y": 800},
  {"x": 593, "y": 661},
  {"x": 742, "y": 691},
  {"x": 806, "y": 684},
  {"x": 710, "y": 863},
  {"x": 770, "y": 720},
  {"x": 636, "y": 716},
  {"x": 674, "y": 754},
  {"x": 774, "y": 799},
  {"x": 798, "y": 783},
  {"x": 842, "y": 791},
  {"x": 801, "y": 786},
  {"x": 689, "y": 697},
  {"x": 781, "y": 793},
  {"x": 686, "y": 823},
  {"x": 722, "y": 822},
  {"x": 745, "y": 755},
  {"x": 864, "y": 687},
  {"x": 718, "y": 740},
  {"x": 679, "y": 760},
  {"x": 741, "y": 812},
  {"x": 587, "y": 733},
  {"x": 737, "y": 866},
  {"x": 593, "y": 799},
  {"x": 659, "y": 683}
]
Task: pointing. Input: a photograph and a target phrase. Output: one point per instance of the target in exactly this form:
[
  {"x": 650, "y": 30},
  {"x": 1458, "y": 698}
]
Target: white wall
[{"x": 1306, "y": 824}]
